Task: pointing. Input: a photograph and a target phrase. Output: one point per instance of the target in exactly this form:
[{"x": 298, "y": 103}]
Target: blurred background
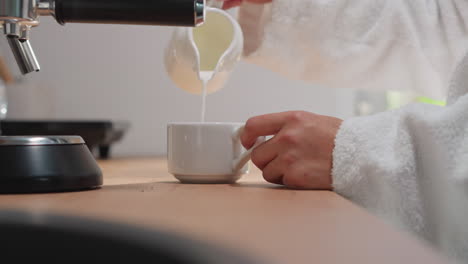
[{"x": 116, "y": 72}]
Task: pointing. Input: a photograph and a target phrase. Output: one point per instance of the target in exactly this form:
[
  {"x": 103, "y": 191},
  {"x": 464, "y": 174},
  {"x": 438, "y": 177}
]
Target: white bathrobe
[{"x": 409, "y": 166}]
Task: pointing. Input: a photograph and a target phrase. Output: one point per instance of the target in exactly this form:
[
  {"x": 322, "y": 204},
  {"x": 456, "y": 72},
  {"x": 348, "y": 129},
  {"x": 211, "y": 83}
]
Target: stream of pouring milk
[
  {"x": 205, "y": 76},
  {"x": 212, "y": 40}
]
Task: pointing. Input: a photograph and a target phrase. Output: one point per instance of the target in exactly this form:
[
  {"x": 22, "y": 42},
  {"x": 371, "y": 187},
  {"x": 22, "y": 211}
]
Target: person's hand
[
  {"x": 233, "y": 3},
  {"x": 300, "y": 155}
]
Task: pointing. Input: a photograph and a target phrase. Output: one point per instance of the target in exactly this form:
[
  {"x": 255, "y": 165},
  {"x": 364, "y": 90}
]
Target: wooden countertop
[{"x": 257, "y": 218}]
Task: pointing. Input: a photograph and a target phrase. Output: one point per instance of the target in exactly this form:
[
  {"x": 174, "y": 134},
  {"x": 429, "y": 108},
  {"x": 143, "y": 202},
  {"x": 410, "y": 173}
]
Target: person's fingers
[
  {"x": 273, "y": 172},
  {"x": 264, "y": 153},
  {"x": 259, "y": 1},
  {"x": 231, "y": 3},
  {"x": 263, "y": 125}
]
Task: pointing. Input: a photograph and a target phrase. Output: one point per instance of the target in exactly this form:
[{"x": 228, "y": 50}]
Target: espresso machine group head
[
  {"x": 64, "y": 163},
  {"x": 18, "y": 17}
]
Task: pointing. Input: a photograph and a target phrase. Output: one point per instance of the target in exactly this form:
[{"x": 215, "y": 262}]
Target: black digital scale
[{"x": 50, "y": 162}]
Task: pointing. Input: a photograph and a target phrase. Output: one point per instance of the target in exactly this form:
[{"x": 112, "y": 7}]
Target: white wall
[{"x": 116, "y": 72}]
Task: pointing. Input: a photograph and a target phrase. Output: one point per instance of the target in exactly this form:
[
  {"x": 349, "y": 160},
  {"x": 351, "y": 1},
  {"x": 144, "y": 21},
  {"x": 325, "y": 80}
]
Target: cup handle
[{"x": 240, "y": 162}]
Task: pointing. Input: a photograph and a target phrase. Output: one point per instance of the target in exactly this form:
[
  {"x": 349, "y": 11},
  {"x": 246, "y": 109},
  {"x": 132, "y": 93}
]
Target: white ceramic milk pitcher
[{"x": 207, "y": 53}]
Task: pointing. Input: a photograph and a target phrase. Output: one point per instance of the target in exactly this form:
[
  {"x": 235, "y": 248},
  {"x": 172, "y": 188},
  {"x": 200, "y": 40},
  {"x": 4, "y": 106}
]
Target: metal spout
[
  {"x": 199, "y": 12},
  {"x": 24, "y": 54},
  {"x": 18, "y": 17}
]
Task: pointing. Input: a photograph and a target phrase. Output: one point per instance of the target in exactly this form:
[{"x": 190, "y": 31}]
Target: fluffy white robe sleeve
[
  {"x": 409, "y": 165},
  {"x": 370, "y": 44}
]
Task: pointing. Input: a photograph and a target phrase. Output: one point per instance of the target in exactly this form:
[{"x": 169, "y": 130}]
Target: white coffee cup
[{"x": 207, "y": 152}]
